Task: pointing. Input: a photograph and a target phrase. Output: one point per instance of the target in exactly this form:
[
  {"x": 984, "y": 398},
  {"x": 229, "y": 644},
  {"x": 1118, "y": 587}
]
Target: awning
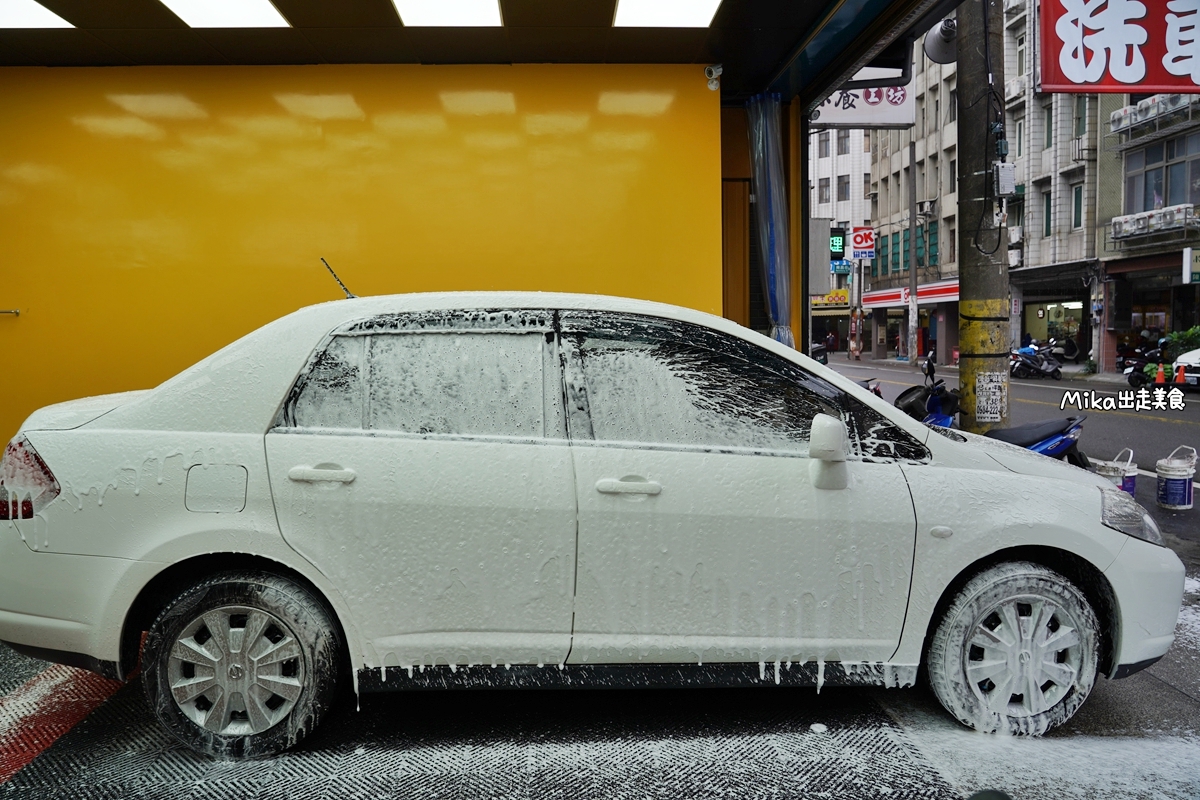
[
  {"x": 831, "y": 312},
  {"x": 940, "y": 292}
]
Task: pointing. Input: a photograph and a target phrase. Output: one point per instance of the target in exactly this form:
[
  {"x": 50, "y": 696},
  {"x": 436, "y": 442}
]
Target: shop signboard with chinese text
[
  {"x": 1191, "y": 265},
  {"x": 838, "y": 297},
  {"x": 1120, "y": 46},
  {"x": 882, "y": 107},
  {"x": 862, "y": 243}
]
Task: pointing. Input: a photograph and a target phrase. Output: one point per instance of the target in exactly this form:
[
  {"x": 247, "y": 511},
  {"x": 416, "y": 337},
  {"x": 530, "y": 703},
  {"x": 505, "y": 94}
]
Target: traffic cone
[
  {"x": 1160, "y": 377},
  {"x": 1179, "y": 375}
]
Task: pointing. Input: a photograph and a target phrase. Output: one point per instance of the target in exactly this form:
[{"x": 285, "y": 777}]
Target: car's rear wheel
[
  {"x": 1016, "y": 651},
  {"x": 242, "y": 664}
]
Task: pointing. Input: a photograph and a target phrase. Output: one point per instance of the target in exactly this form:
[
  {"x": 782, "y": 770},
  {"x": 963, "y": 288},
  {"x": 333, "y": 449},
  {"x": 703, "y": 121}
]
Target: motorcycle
[
  {"x": 872, "y": 386},
  {"x": 1031, "y": 362},
  {"x": 934, "y": 404},
  {"x": 1065, "y": 350},
  {"x": 1135, "y": 366}
]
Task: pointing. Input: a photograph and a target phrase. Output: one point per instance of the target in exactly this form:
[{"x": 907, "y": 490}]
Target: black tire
[
  {"x": 1053, "y": 681},
  {"x": 1137, "y": 379},
  {"x": 1057, "y": 374},
  {"x": 1021, "y": 371},
  {"x": 299, "y": 653}
]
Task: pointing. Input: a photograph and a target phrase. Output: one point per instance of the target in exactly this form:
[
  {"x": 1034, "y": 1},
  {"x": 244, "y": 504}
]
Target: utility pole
[
  {"x": 912, "y": 247},
  {"x": 983, "y": 307}
]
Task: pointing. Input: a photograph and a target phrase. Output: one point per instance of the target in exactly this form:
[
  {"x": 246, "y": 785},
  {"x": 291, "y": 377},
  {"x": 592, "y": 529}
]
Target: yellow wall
[{"x": 149, "y": 216}]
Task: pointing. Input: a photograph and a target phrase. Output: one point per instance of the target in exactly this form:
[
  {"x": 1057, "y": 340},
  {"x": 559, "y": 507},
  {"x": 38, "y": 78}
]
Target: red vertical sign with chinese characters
[{"x": 1120, "y": 46}]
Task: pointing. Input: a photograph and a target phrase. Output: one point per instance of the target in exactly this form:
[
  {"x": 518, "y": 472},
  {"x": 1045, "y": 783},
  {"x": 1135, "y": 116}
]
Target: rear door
[
  {"x": 701, "y": 536},
  {"x": 421, "y": 464}
]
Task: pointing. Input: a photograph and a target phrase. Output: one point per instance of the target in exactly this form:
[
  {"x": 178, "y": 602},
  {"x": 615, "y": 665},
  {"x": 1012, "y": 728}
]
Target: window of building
[
  {"x": 952, "y": 107},
  {"x": 1020, "y": 146},
  {"x": 1047, "y": 209},
  {"x": 843, "y": 187},
  {"x": 823, "y": 144},
  {"x": 935, "y": 175},
  {"x": 1077, "y": 206},
  {"x": 1021, "y": 54},
  {"x": 866, "y": 141},
  {"x": 951, "y": 243},
  {"x": 823, "y": 190},
  {"x": 1048, "y": 121},
  {"x": 1163, "y": 174},
  {"x": 866, "y": 184},
  {"x": 920, "y": 117},
  {"x": 843, "y": 141},
  {"x": 883, "y": 255},
  {"x": 952, "y": 177},
  {"x": 1081, "y": 110}
]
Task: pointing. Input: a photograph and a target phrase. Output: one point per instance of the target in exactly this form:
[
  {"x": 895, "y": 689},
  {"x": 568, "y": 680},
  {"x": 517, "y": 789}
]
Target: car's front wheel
[
  {"x": 1016, "y": 651},
  {"x": 242, "y": 664}
]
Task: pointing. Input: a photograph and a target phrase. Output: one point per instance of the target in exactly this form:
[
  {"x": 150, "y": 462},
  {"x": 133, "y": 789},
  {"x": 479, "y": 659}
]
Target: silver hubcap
[
  {"x": 236, "y": 670},
  {"x": 1023, "y": 656}
]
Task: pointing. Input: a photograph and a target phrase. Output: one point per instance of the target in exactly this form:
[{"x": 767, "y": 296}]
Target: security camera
[{"x": 713, "y": 72}]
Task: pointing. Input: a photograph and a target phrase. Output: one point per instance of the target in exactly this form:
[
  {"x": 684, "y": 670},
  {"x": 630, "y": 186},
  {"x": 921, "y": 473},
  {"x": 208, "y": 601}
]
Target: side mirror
[{"x": 827, "y": 450}]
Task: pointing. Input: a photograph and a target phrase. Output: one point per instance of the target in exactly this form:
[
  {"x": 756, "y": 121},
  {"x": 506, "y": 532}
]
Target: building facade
[
  {"x": 1051, "y": 239},
  {"x": 933, "y": 165},
  {"x": 839, "y": 162}
]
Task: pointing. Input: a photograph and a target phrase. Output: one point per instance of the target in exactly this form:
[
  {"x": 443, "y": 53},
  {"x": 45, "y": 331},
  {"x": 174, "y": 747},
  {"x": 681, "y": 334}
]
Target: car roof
[{"x": 239, "y": 388}]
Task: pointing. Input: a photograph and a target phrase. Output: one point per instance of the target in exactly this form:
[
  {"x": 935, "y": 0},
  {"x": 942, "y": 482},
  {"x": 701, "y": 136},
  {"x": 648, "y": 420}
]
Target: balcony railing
[{"x": 1156, "y": 117}]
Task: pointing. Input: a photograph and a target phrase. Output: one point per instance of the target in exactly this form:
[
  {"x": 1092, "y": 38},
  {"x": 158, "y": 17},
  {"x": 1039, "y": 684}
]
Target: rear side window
[
  {"x": 465, "y": 383},
  {"x": 330, "y": 394}
]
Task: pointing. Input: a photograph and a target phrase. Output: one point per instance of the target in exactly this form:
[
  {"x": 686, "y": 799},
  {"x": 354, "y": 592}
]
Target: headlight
[{"x": 1120, "y": 512}]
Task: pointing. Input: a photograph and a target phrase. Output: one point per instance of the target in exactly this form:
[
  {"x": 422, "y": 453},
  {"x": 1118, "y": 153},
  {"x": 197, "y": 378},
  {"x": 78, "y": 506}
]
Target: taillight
[{"x": 26, "y": 484}]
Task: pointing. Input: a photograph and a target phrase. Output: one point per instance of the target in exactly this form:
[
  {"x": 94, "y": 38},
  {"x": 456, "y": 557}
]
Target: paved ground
[{"x": 1135, "y": 738}]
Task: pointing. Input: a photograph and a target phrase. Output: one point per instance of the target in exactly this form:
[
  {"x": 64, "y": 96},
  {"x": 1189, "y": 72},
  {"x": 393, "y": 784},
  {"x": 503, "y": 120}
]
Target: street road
[{"x": 1135, "y": 738}]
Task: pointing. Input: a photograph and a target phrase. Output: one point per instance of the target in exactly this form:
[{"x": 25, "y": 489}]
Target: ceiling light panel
[
  {"x": 227, "y": 13},
  {"x": 449, "y": 13},
  {"x": 665, "y": 13},
  {"x": 29, "y": 14}
]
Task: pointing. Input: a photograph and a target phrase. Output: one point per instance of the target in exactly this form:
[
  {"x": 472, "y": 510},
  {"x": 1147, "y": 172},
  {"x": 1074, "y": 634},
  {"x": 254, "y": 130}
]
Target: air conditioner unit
[
  {"x": 1015, "y": 233},
  {"x": 1014, "y": 258},
  {"x": 1014, "y": 88},
  {"x": 1172, "y": 102},
  {"x": 1130, "y": 225},
  {"x": 1147, "y": 109},
  {"x": 1154, "y": 220},
  {"x": 1176, "y": 216},
  {"x": 1122, "y": 118}
]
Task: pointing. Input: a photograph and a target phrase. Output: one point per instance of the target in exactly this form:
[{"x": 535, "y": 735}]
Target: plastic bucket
[
  {"x": 1121, "y": 471},
  {"x": 1175, "y": 479}
]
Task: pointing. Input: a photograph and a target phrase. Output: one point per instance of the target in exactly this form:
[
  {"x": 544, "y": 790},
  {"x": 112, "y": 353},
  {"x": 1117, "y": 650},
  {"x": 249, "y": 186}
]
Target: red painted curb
[{"x": 48, "y": 705}]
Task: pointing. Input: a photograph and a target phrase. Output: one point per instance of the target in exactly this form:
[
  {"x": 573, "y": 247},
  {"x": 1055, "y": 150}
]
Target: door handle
[
  {"x": 614, "y": 486},
  {"x": 318, "y": 474}
]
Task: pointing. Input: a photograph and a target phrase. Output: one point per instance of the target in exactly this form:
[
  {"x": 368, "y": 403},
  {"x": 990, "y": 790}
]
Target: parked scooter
[
  {"x": 872, "y": 386},
  {"x": 1034, "y": 362},
  {"x": 1135, "y": 366},
  {"x": 1065, "y": 350},
  {"x": 934, "y": 404}
]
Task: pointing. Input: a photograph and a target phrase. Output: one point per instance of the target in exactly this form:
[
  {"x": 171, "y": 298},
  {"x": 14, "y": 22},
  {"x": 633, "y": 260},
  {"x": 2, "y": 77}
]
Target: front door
[
  {"x": 701, "y": 536},
  {"x": 422, "y": 465}
]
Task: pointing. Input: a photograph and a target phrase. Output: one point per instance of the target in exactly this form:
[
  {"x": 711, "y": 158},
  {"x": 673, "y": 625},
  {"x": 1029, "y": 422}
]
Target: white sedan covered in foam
[{"x": 463, "y": 490}]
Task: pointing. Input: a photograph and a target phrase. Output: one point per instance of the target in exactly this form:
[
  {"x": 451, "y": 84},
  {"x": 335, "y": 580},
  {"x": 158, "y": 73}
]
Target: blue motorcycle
[{"x": 934, "y": 404}]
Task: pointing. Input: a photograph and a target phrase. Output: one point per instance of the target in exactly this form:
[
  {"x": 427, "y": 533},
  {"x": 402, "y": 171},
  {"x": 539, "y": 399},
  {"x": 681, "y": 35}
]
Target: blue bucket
[{"x": 1175, "y": 473}]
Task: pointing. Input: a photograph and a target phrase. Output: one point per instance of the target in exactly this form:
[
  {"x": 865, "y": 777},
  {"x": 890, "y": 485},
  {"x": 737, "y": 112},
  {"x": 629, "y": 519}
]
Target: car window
[
  {"x": 660, "y": 384},
  {"x": 329, "y": 394},
  {"x": 464, "y": 383}
]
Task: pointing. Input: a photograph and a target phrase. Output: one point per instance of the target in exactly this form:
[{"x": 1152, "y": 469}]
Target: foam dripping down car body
[{"x": 469, "y": 490}]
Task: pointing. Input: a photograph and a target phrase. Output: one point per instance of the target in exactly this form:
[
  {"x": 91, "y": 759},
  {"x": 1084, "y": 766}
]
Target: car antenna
[{"x": 349, "y": 295}]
